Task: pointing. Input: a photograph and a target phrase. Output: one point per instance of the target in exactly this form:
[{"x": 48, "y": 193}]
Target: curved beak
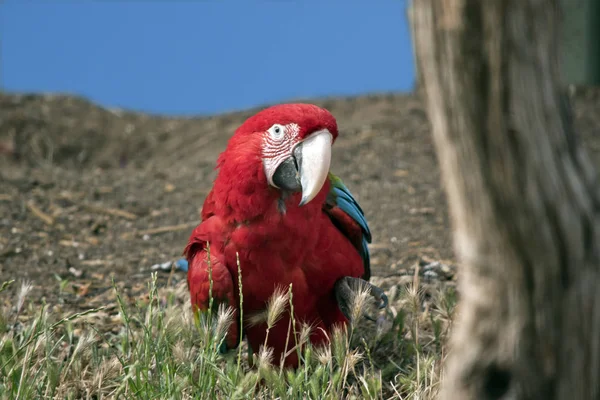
[
  {"x": 314, "y": 163},
  {"x": 308, "y": 167}
]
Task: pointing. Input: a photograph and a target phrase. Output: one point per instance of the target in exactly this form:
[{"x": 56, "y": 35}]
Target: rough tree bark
[{"x": 524, "y": 201}]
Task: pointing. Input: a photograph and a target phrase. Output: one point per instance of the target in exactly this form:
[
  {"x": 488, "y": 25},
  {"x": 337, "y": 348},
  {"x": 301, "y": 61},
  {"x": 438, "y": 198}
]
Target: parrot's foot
[{"x": 347, "y": 287}]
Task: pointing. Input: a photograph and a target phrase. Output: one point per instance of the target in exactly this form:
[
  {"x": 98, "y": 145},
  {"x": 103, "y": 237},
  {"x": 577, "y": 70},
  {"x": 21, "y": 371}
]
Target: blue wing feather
[
  {"x": 341, "y": 196},
  {"x": 349, "y": 205}
]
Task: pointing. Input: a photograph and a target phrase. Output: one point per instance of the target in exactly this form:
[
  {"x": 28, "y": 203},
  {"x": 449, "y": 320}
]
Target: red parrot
[{"x": 275, "y": 204}]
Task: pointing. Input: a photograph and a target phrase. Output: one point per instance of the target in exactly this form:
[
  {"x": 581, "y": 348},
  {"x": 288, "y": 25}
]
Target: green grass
[{"x": 162, "y": 351}]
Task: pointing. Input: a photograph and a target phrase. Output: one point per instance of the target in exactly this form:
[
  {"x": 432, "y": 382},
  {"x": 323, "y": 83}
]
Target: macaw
[{"x": 276, "y": 206}]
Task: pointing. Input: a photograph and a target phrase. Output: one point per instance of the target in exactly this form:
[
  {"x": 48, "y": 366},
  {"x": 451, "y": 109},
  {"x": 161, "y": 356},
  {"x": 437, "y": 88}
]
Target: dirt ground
[{"x": 89, "y": 194}]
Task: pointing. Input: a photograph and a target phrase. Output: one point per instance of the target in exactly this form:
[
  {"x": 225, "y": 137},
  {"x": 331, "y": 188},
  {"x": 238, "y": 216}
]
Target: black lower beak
[{"x": 287, "y": 175}]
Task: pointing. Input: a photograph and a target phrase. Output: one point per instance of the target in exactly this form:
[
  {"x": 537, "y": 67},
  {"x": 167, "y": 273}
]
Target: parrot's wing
[
  {"x": 347, "y": 215},
  {"x": 208, "y": 275},
  {"x": 207, "y": 211}
]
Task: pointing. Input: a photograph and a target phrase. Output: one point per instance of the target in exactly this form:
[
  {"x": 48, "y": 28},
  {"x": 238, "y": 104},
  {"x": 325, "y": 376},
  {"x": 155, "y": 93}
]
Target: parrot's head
[
  {"x": 292, "y": 143},
  {"x": 296, "y": 147}
]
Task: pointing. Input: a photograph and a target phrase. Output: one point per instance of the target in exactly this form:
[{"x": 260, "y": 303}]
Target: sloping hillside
[{"x": 88, "y": 193}]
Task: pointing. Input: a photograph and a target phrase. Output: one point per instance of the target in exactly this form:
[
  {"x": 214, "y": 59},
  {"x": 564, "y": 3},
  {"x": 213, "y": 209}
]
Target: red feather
[{"x": 301, "y": 247}]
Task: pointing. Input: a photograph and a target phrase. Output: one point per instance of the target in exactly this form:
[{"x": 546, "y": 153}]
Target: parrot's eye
[{"x": 277, "y": 131}]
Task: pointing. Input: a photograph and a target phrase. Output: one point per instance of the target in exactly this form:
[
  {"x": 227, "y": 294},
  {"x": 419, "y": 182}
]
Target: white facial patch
[{"x": 278, "y": 143}]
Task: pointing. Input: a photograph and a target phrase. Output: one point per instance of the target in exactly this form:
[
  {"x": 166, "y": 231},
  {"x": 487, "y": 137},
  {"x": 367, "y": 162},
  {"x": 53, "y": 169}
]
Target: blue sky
[{"x": 205, "y": 56}]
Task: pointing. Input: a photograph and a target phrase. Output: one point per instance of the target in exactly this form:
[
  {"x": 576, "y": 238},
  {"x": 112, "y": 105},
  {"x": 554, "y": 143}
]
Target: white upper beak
[{"x": 314, "y": 167}]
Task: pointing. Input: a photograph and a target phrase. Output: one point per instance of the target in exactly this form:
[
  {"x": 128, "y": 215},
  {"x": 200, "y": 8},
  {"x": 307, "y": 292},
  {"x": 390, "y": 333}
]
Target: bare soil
[{"x": 88, "y": 194}]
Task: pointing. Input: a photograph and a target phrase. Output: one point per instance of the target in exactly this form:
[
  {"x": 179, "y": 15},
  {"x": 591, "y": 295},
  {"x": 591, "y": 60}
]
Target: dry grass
[{"x": 163, "y": 351}]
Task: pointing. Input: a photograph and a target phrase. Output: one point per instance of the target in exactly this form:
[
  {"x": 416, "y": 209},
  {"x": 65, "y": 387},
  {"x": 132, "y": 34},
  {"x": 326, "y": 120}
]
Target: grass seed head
[
  {"x": 265, "y": 357},
  {"x": 352, "y": 359},
  {"x": 181, "y": 352},
  {"x": 109, "y": 370},
  {"x": 339, "y": 343},
  {"x": 85, "y": 342},
  {"x": 305, "y": 332},
  {"x": 359, "y": 301},
  {"x": 23, "y": 293},
  {"x": 276, "y": 306},
  {"x": 324, "y": 355},
  {"x": 224, "y": 320},
  {"x": 256, "y": 319}
]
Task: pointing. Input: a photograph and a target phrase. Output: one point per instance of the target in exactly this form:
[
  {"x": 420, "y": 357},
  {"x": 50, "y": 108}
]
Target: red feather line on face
[
  {"x": 285, "y": 143},
  {"x": 276, "y": 150}
]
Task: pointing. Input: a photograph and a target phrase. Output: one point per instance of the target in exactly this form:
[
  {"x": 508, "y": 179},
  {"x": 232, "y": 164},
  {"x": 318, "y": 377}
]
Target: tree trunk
[
  {"x": 523, "y": 197},
  {"x": 417, "y": 88}
]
